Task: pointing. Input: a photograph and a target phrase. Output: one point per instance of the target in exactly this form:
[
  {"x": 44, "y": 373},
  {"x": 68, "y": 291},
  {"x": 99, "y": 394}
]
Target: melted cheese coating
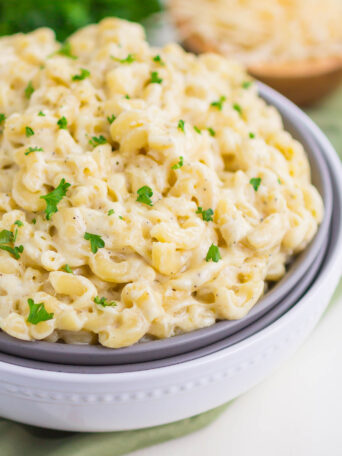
[{"x": 153, "y": 263}]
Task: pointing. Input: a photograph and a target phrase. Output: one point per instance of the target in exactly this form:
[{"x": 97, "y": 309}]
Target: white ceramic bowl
[{"x": 130, "y": 400}]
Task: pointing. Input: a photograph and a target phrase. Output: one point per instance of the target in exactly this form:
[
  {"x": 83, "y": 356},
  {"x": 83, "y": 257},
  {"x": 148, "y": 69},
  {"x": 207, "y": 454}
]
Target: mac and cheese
[{"x": 143, "y": 192}]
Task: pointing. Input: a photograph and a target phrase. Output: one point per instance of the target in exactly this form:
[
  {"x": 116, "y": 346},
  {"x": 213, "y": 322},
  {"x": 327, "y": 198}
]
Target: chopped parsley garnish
[
  {"x": 111, "y": 119},
  {"x": 251, "y": 135},
  {"x": 96, "y": 241},
  {"x": 197, "y": 130},
  {"x": 279, "y": 181},
  {"x": 255, "y": 182},
  {"x": 207, "y": 215},
  {"x": 62, "y": 123},
  {"x": 15, "y": 251},
  {"x": 33, "y": 149},
  {"x": 158, "y": 59},
  {"x": 129, "y": 59},
  {"x": 179, "y": 164},
  {"x": 29, "y": 90},
  {"x": 120, "y": 217},
  {"x": 54, "y": 197},
  {"x": 219, "y": 103},
  {"x": 34, "y": 221},
  {"x": 7, "y": 237},
  {"x": 83, "y": 74},
  {"x": 110, "y": 212},
  {"x": 211, "y": 131},
  {"x": 246, "y": 84},
  {"x": 144, "y": 195},
  {"x": 41, "y": 114},
  {"x": 181, "y": 125},
  {"x": 2, "y": 118},
  {"x": 67, "y": 268},
  {"x": 213, "y": 254},
  {"x": 97, "y": 140},
  {"x": 237, "y": 108},
  {"x": 103, "y": 302},
  {"x": 127, "y": 96},
  {"x": 29, "y": 132},
  {"x": 38, "y": 313},
  {"x": 155, "y": 79},
  {"x": 65, "y": 50},
  {"x": 19, "y": 223}
]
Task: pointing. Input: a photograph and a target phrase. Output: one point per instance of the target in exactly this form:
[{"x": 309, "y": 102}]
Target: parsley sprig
[
  {"x": 65, "y": 50},
  {"x": 207, "y": 215},
  {"x": 62, "y": 123},
  {"x": 28, "y": 132},
  {"x": 213, "y": 254},
  {"x": 155, "y": 79},
  {"x": 53, "y": 198},
  {"x": 67, "y": 268},
  {"x": 129, "y": 59},
  {"x": 7, "y": 240},
  {"x": 246, "y": 84},
  {"x": 158, "y": 59},
  {"x": 97, "y": 140},
  {"x": 19, "y": 224},
  {"x": 83, "y": 75},
  {"x": 219, "y": 103},
  {"x": 255, "y": 182},
  {"x": 103, "y": 302},
  {"x": 181, "y": 125},
  {"x": 30, "y": 150},
  {"x": 29, "y": 90},
  {"x": 38, "y": 313},
  {"x": 237, "y": 108},
  {"x": 144, "y": 195},
  {"x": 179, "y": 164},
  {"x": 111, "y": 119},
  {"x": 6, "y": 237},
  {"x": 96, "y": 241}
]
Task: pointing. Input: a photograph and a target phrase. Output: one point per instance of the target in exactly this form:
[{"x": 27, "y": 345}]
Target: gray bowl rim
[{"x": 177, "y": 345}]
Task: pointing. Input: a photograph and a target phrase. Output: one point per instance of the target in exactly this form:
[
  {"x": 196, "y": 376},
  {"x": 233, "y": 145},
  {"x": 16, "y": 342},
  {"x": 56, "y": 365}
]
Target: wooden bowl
[{"x": 303, "y": 82}]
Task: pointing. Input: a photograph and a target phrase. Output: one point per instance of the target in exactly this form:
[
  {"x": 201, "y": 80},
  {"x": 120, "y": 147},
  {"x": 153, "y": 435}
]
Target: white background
[{"x": 297, "y": 411}]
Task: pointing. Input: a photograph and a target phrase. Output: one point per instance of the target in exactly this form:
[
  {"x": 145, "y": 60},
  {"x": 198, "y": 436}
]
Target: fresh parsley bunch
[{"x": 65, "y": 16}]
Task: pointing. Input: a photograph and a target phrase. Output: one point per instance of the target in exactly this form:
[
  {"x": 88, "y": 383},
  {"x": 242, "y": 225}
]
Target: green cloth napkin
[{"x": 17, "y": 439}]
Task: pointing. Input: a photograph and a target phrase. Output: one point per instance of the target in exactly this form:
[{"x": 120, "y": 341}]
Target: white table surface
[{"x": 297, "y": 411}]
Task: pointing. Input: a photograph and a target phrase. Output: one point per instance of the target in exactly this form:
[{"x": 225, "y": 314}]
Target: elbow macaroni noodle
[{"x": 153, "y": 263}]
